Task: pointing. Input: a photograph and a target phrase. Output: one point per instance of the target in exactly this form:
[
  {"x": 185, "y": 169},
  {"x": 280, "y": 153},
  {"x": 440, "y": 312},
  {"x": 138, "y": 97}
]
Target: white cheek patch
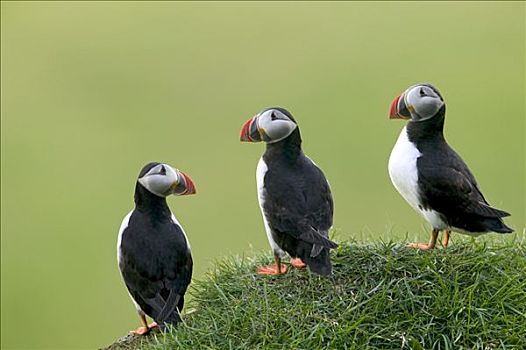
[
  {"x": 156, "y": 184},
  {"x": 159, "y": 184},
  {"x": 427, "y": 106},
  {"x": 276, "y": 129},
  {"x": 424, "y": 106},
  {"x": 279, "y": 129}
]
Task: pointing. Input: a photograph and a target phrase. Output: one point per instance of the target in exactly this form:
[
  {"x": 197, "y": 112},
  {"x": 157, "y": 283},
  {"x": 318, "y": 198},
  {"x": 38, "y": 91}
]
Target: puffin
[
  {"x": 431, "y": 176},
  {"x": 153, "y": 251},
  {"x": 294, "y": 196}
]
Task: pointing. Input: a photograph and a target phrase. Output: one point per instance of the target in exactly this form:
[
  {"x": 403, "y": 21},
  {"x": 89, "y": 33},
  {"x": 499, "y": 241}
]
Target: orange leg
[
  {"x": 297, "y": 263},
  {"x": 447, "y": 236},
  {"x": 275, "y": 269},
  {"x": 426, "y": 246},
  {"x": 145, "y": 328}
]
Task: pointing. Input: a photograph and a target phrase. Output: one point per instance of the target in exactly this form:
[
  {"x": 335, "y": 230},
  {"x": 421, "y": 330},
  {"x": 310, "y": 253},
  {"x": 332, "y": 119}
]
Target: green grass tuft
[{"x": 382, "y": 296}]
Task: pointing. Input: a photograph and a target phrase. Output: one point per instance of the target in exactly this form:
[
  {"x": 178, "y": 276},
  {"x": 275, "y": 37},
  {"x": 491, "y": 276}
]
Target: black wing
[
  {"x": 156, "y": 270},
  {"x": 299, "y": 203},
  {"x": 447, "y": 189},
  {"x": 448, "y": 186}
]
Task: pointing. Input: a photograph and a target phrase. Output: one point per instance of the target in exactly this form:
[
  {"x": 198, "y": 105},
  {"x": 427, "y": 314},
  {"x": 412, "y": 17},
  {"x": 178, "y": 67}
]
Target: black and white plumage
[
  {"x": 153, "y": 251},
  {"x": 430, "y": 175},
  {"x": 294, "y": 195}
]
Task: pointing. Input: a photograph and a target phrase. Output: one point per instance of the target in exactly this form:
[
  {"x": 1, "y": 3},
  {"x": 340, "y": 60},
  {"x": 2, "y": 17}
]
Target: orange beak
[
  {"x": 397, "y": 109},
  {"x": 187, "y": 188},
  {"x": 249, "y": 132}
]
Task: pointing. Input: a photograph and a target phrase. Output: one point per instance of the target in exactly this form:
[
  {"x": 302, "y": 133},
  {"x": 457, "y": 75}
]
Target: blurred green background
[{"x": 91, "y": 91}]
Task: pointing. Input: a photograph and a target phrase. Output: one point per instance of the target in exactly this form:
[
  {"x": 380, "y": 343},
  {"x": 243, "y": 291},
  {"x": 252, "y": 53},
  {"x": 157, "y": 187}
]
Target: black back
[
  {"x": 445, "y": 182},
  {"x": 155, "y": 261},
  {"x": 298, "y": 203}
]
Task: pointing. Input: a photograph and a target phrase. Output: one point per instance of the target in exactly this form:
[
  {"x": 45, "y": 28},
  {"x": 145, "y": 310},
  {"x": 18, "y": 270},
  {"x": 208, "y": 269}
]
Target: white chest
[
  {"x": 403, "y": 171},
  {"x": 261, "y": 170},
  {"x": 260, "y": 181},
  {"x": 404, "y": 176},
  {"x": 123, "y": 227},
  {"x": 175, "y": 221}
]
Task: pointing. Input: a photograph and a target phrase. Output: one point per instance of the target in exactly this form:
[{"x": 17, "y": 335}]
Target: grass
[
  {"x": 91, "y": 91},
  {"x": 382, "y": 296}
]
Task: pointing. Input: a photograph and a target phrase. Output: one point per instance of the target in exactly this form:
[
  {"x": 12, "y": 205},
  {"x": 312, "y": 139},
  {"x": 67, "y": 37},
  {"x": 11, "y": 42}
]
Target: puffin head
[
  {"x": 270, "y": 125},
  {"x": 419, "y": 102},
  {"x": 163, "y": 180}
]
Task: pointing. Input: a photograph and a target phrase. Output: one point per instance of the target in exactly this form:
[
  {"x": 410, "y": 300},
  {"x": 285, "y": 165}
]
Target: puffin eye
[
  {"x": 273, "y": 116},
  {"x": 422, "y": 92},
  {"x": 163, "y": 170}
]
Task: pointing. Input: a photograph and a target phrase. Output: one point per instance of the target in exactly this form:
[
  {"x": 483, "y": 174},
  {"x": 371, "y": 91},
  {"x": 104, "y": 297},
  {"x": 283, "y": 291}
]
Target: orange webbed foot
[
  {"x": 297, "y": 263},
  {"x": 141, "y": 331},
  {"x": 421, "y": 246},
  {"x": 426, "y": 246},
  {"x": 272, "y": 270}
]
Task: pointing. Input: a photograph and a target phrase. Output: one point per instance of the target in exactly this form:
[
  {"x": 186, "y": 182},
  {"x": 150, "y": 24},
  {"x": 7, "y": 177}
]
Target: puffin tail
[
  {"x": 170, "y": 312},
  {"x": 503, "y": 229},
  {"x": 320, "y": 264},
  {"x": 173, "y": 319},
  {"x": 497, "y": 225}
]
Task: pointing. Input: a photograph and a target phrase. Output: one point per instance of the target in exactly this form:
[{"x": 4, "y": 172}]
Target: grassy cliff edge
[{"x": 382, "y": 296}]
